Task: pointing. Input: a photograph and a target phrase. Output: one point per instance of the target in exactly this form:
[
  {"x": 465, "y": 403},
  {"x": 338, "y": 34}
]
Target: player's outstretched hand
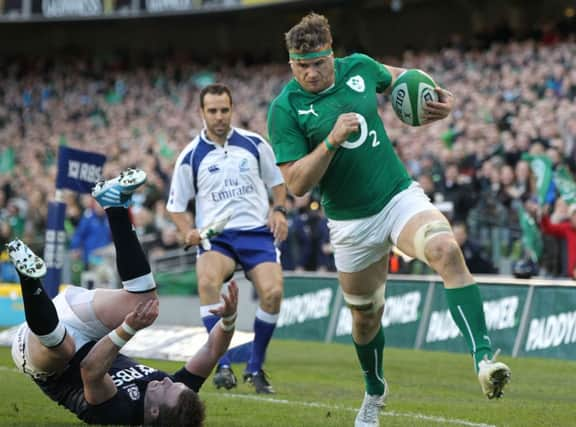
[
  {"x": 439, "y": 110},
  {"x": 230, "y": 305},
  {"x": 143, "y": 315}
]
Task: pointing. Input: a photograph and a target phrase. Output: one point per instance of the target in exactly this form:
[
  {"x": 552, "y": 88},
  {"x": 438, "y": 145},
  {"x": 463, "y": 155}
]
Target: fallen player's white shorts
[
  {"x": 359, "y": 243},
  {"x": 74, "y": 307}
]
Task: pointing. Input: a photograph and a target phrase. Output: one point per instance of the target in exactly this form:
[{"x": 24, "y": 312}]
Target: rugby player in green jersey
[{"x": 326, "y": 131}]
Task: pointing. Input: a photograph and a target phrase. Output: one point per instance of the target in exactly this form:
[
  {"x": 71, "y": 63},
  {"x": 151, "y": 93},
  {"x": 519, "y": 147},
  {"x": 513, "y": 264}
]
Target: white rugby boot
[
  {"x": 26, "y": 261},
  {"x": 369, "y": 413},
  {"x": 493, "y": 376}
]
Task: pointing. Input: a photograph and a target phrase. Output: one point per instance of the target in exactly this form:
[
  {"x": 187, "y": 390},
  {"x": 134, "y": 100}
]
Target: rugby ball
[{"x": 411, "y": 90}]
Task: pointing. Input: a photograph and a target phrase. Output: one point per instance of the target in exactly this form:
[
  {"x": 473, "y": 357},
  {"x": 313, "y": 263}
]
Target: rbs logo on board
[{"x": 84, "y": 171}]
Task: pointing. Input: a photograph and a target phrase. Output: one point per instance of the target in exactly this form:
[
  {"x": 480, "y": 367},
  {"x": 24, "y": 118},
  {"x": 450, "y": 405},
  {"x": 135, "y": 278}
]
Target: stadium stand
[{"x": 513, "y": 97}]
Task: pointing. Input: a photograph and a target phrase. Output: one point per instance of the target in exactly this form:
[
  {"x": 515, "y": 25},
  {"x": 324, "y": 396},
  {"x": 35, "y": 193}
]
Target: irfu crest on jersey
[{"x": 356, "y": 83}]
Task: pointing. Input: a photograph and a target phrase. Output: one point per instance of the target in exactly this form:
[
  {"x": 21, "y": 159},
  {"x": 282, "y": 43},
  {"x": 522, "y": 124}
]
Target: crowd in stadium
[{"x": 511, "y": 99}]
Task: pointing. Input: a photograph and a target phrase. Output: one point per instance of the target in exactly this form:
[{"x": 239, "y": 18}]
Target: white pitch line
[{"x": 417, "y": 416}]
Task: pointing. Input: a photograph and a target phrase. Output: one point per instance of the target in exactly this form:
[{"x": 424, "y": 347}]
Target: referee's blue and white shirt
[{"x": 233, "y": 176}]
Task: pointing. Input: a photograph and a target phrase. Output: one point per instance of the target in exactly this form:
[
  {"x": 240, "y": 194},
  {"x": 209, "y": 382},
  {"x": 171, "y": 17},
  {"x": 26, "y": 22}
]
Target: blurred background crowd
[{"x": 512, "y": 98}]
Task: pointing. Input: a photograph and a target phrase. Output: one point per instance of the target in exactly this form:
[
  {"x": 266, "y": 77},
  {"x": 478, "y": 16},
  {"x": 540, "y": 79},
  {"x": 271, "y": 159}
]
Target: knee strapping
[
  {"x": 427, "y": 232},
  {"x": 367, "y": 302}
]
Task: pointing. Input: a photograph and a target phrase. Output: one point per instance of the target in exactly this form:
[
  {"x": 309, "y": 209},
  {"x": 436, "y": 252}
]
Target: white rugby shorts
[
  {"x": 359, "y": 243},
  {"x": 74, "y": 307}
]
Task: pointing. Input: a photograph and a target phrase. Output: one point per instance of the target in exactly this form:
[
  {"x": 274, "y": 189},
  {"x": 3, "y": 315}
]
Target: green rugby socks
[
  {"x": 466, "y": 308},
  {"x": 371, "y": 356}
]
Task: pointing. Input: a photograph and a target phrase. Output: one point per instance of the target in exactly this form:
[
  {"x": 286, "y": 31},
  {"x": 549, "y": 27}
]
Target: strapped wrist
[
  {"x": 116, "y": 339},
  {"x": 128, "y": 329},
  {"x": 227, "y": 327},
  {"x": 228, "y": 323},
  {"x": 231, "y": 318},
  {"x": 329, "y": 145}
]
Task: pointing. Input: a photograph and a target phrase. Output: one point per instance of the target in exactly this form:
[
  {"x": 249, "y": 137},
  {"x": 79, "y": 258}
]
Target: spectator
[
  {"x": 524, "y": 179},
  {"x": 566, "y": 230},
  {"x": 458, "y": 192},
  {"x": 144, "y": 113},
  {"x": 476, "y": 260},
  {"x": 92, "y": 233},
  {"x": 168, "y": 241}
]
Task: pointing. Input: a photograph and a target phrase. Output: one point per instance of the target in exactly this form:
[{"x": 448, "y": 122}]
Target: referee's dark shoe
[
  {"x": 260, "y": 382},
  {"x": 224, "y": 377}
]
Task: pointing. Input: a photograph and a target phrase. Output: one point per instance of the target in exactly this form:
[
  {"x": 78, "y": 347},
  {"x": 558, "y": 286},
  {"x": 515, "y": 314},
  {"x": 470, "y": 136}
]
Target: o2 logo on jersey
[
  {"x": 133, "y": 392},
  {"x": 364, "y": 135},
  {"x": 244, "y": 167}
]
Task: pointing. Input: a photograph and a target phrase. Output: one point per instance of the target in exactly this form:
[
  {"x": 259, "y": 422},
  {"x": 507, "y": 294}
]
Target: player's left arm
[
  {"x": 98, "y": 384},
  {"x": 433, "y": 111},
  {"x": 202, "y": 363},
  {"x": 277, "y": 220},
  {"x": 272, "y": 177}
]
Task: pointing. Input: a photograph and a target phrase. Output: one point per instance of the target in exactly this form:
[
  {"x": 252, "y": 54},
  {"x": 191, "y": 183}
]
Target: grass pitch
[{"x": 321, "y": 385}]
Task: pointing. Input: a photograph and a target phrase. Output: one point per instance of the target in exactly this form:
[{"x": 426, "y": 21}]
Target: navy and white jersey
[
  {"x": 233, "y": 176},
  {"x": 131, "y": 379}
]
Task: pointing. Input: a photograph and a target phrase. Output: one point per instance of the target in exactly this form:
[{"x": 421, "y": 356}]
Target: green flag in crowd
[
  {"x": 7, "y": 160},
  {"x": 113, "y": 97},
  {"x": 531, "y": 236},
  {"x": 565, "y": 184},
  {"x": 541, "y": 166},
  {"x": 165, "y": 150},
  {"x": 203, "y": 78},
  {"x": 448, "y": 138}
]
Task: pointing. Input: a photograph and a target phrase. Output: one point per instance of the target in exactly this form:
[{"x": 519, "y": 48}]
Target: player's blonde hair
[{"x": 310, "y": 34}]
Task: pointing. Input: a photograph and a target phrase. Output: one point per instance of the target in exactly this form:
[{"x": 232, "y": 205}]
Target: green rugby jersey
[{"x": 365, "y": 172}]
